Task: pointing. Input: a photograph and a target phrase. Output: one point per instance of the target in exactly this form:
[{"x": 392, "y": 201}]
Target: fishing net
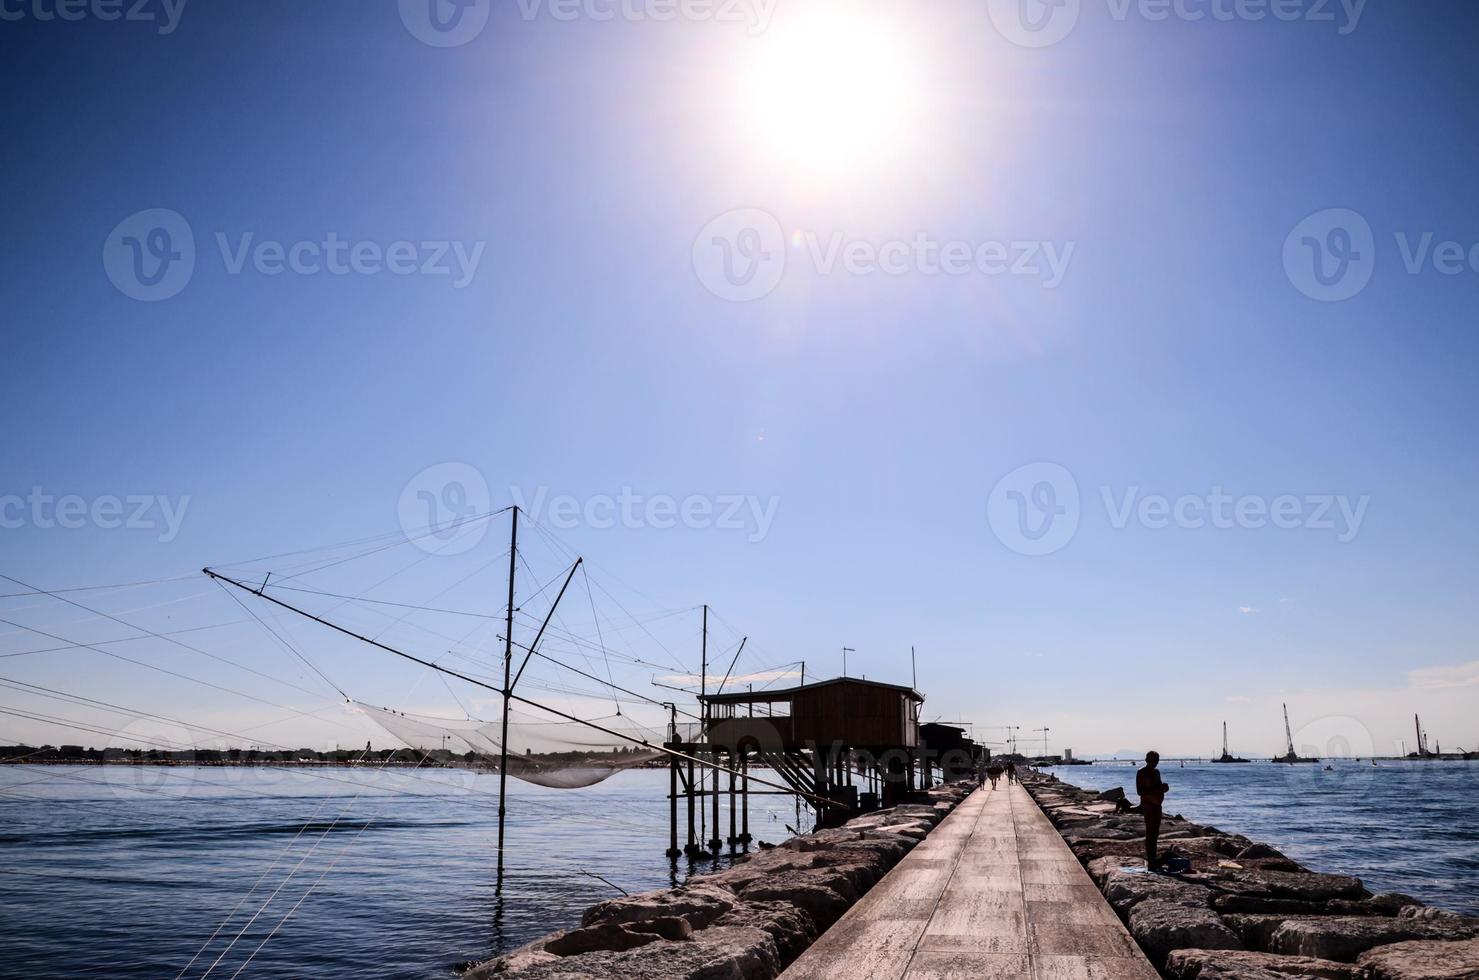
[{"x": 553, "y": 753}]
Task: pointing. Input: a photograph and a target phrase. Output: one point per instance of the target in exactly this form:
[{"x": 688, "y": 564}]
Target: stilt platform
[{"x": 993, "y": 892}]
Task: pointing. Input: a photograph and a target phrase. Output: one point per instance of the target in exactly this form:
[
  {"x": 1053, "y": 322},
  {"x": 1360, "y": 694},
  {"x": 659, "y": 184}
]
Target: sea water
[{"x": 348, "y": 873}]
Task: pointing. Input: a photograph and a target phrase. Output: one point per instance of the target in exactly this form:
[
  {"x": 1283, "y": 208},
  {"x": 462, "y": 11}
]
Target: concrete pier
[{"x": 993, "y": 892}]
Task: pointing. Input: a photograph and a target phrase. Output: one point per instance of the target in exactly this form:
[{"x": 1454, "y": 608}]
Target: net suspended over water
[{"x": 554, "y": 753}]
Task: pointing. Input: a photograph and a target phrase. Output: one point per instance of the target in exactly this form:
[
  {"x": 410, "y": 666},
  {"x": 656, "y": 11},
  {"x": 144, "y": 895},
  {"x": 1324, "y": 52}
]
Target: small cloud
[
  {"x": 1445, "y": 678},
  {"x": 1284, "y": 600},
  {"x": 1247, "y": 610}
]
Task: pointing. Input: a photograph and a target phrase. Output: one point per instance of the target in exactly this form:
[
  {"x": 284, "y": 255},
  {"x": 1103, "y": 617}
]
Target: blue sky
[{"x": 876, "y": 412}]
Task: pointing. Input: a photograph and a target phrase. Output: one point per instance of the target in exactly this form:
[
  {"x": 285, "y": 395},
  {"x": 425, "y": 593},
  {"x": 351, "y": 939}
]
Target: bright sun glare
[{"x": 829, "y": 93}]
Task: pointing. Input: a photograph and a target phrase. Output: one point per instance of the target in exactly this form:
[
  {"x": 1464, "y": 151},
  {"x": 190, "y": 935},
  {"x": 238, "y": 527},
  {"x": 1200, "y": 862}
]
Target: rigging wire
[
  {"x": 147, "y": 633},
  {"x": 291, "y": 649},
  {"x": 506, "y": 694},
  {"x": 173, "y": 673},
  {"x": 126, "y": 639}
]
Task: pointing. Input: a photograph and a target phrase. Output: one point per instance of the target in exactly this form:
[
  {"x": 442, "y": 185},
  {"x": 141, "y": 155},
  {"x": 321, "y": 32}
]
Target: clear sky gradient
[{"x": 868, "y": 415}]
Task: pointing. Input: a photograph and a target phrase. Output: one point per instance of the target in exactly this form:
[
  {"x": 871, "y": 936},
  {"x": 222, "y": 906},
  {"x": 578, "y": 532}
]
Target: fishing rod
[{"x": 511, "y": 696}]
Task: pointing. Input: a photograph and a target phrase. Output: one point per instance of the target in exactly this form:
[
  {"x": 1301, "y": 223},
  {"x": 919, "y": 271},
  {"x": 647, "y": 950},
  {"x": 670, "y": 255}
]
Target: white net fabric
[{"x": 558, "y": 754}]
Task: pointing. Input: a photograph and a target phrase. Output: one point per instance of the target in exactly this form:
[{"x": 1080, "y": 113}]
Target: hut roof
[{"x": 777, "y": 694}]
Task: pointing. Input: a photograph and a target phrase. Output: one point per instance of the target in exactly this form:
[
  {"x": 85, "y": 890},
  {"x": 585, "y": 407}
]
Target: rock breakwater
[
  {"x": 745, "y": 922},
  {"x": 1245, "y": 911}
]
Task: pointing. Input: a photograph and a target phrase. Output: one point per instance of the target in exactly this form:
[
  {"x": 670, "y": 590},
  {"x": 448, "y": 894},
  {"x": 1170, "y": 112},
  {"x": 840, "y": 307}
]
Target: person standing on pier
[{"x": 1152, "y": 794}]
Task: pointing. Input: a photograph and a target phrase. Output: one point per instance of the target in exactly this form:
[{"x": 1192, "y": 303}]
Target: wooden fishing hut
[{"x": 847, "y": 745}]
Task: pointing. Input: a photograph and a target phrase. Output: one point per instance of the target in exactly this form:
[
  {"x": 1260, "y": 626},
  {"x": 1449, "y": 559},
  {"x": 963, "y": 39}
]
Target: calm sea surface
[
  {"x": 128, "y": 871},
  {"x": 334, "y": 873}
]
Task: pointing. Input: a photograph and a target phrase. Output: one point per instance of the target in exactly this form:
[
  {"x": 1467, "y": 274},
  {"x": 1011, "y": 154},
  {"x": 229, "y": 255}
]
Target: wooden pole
[
  {"x": 529, "y": 651},
  {"x": 692, "y": 845},
  {"x": 733, "y": 839},
  {"x": 673, "y": 851},
  {"x": 508, "y": 689},
  {"x": 714, "y": 842},
  {"x": 745, "y": 796}
]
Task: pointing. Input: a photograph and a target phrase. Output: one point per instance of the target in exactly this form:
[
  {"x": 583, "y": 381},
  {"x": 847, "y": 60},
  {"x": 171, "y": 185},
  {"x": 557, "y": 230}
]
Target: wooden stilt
[
  {"x": 733, "y": 790},
  {"x": 745, "y": 797},
  {"x": 691, "y": 848},
  {"x": 714, "y": 842},
  {"x": 673, "y": 851}
]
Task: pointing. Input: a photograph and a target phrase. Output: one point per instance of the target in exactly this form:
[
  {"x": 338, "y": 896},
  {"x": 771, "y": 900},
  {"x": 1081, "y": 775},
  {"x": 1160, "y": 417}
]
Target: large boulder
[
  {"x": 1256, "y": 929},
  {"x": 1098, "y": 832},
  {"x": 1127, "y": 889},
  {"x": 1396, "y": 903},
  {"x": 1178, "y": 829},
  {"x": 791, "y": 928},
  {"x": 1101, "y": 868},
  {"x": 1268, "y": 890},
  {"x": 1416, "y": 910},
  {"x": 699, "y": 904},
  {"x": 606, "y": 936},
  {"x": 716, "y": 953},
  {"x": 1188, "y": 964},
  {"x": 1306, "y": 886},
  {"x": 1087, "y": 850},
  {"x": 915, "y": 830},
  {"x": 815, "y": 894},
  {"x": 1161, "y": 926},
  {"x": 1239, "y": 971},
  {"x": 1344, "y": 938},
  {"x": 1423, "y": 960},
  {"x": 1224, "y": 904}
]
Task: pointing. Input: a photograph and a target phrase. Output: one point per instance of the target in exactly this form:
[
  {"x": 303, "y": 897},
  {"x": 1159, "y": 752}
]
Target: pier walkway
[{"x": 993, "y": 892}]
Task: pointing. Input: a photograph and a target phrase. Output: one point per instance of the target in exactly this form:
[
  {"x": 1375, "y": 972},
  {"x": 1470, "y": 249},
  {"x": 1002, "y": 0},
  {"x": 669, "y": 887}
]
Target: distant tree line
[
  {"x": 40, "y": 755},
  {"x": 77, "y": 754}
]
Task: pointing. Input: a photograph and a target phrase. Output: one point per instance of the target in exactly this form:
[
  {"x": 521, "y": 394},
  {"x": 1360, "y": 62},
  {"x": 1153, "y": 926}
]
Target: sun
[{"x": 829, "y": 92}]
